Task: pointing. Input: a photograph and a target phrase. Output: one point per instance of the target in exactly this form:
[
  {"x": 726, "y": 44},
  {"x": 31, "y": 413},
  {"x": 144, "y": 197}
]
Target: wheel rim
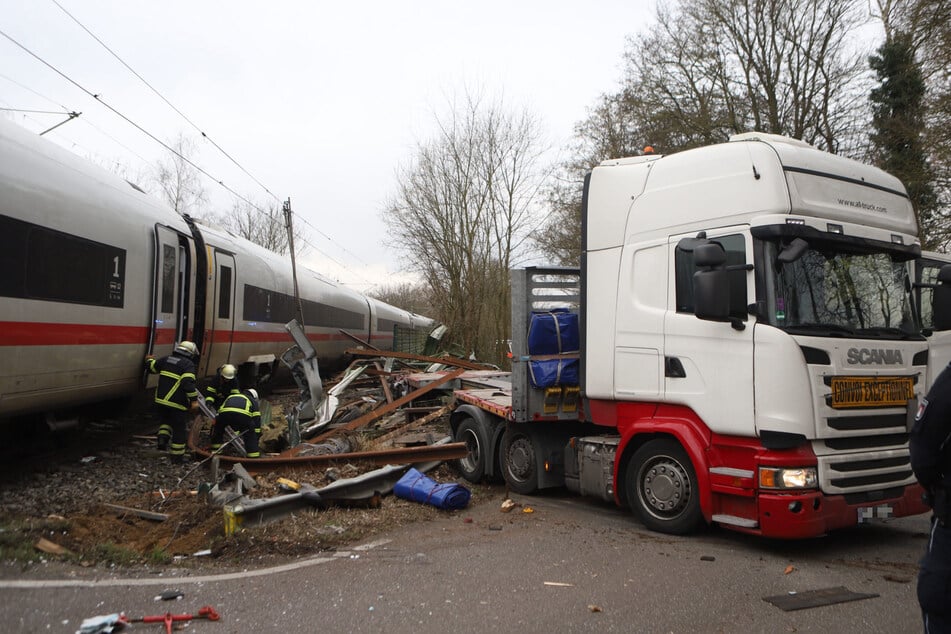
[
  {"x": 663, "y": 487},
  {"x": 520, "y": 459},
  {"x": 474, "y": 451}
]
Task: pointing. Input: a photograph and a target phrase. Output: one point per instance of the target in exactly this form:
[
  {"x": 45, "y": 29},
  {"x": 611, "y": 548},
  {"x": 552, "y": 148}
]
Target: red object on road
[{"x": 207, "y": 612}]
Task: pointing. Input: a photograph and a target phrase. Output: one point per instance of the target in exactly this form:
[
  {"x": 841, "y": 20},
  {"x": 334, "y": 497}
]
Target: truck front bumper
[{"x": 810, "y": 514}]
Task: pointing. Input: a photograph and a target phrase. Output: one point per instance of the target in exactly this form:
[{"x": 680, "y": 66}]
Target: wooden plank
[
  {"x": 379, "y": 412},
  {"x": 149, "y": 515},
  {"x": 412, "y": 425}
]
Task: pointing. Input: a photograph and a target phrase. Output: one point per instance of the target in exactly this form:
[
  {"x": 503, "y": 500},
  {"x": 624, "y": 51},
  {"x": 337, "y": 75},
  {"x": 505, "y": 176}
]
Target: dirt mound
[{"x": 69, "y": 505}]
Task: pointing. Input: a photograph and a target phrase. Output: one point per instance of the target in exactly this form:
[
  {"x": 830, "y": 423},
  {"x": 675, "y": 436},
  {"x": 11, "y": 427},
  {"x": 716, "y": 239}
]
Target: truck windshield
[{"x": 825, "y": 291}]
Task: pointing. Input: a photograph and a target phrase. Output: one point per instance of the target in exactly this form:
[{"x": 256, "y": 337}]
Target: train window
[
  {"x": 44, "y": 264},
  {"x": 169, "y": 263},
  {"x": 224, "y": 294},
  {"x": 270, "y": 306},
  {"x": 385, "y": 325},
  {"x": 333, "y": 316}
]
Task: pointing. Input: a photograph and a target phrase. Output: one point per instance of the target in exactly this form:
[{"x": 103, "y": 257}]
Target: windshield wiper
[
  {"x": 828, "y": 330},
  {"x": 888, "y": 332}
]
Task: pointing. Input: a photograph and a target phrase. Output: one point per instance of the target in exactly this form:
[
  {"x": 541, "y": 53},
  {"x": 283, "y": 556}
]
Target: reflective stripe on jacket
[
  {"x": 242, "y": 404},
  {"x": 177, "y": 385}
]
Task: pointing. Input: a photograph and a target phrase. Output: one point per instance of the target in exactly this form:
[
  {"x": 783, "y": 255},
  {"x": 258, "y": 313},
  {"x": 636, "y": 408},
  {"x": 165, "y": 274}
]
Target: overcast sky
[{"x": 318, "y": 101}]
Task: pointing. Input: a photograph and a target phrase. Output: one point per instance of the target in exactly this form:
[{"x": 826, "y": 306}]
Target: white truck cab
[
  {"x": 751, "y": 353},
  {"x": 796, "y": 263}
]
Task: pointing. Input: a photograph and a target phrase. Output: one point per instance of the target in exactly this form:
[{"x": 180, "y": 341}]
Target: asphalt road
[{"x": 569, "y": 566}]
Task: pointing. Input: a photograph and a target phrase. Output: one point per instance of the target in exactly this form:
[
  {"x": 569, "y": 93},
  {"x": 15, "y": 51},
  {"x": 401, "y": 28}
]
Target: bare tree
[
  {"x": 408, "y": 296},
  {"x": 263, "y": 225},
  {"x": 178, "y": 181},
  {"x": 462, "y": 214},
  {"x": 718, "y": 67},
  {"x": 609, "y": 131},
  {"x": 712, "y": 68}
]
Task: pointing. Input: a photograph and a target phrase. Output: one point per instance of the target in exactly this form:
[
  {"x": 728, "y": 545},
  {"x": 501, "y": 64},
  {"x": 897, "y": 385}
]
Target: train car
[{"x": 96, "y": 274}]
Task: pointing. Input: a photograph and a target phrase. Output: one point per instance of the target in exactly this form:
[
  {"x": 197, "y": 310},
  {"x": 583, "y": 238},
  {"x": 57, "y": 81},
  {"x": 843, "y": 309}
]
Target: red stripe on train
[{"x": 29, "y": 333}]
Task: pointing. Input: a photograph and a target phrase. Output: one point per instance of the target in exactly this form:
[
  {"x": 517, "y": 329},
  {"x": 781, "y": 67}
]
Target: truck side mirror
[
  {"x": 792, "y": 251},
  {"x": 941, "y": 300},
  {"x": 711, "y": 285},
  {"x": 710, "y": 254}
]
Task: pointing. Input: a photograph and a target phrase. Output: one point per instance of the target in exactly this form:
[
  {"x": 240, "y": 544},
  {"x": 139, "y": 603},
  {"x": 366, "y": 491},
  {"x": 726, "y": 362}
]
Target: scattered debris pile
[{"x": 320, "y": 483}]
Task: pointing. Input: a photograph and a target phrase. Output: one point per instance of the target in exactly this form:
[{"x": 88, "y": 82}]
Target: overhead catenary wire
[
  {"x": 184, "y": 158},
  {"x": 128, "y": 120},
  {"x": 162, "y": 97},
  {"x": 199, "y": 130},
  {"x": 67, "y": 111},
  {"x": 57, "y": 112},
  {"x": 342, "y": 248},
  {"x": 28, "y": 89}
]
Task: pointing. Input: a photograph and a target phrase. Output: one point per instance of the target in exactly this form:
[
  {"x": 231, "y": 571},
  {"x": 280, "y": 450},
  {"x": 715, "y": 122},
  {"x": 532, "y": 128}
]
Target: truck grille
[
  {"x": 844, "y": 473},
  {"x": 870, "y": 423}
]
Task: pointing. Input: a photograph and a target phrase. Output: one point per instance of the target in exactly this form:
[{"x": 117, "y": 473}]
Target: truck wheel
[
  {"x": 472, "y": 467},
  {"x": 661, "y": 488},
  {"x": 519, "y": 467}
]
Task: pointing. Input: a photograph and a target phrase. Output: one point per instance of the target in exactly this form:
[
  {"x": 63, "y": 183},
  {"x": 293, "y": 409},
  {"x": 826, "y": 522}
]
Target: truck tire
[
  {"x": 661, "y": 488},
  {"x": 472, "y": 467},
  {"x": 519, "y": 466}
]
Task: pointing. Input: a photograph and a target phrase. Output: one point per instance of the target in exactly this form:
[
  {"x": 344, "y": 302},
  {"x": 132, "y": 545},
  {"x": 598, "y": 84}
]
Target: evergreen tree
[{"x": 898, "y": 115}]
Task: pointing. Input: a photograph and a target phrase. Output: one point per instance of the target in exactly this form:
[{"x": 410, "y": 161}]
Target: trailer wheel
[
  {"x": 472, "y": 467},
  {"x": 661, "y": 488},
  {"x": 519, "y": 467}
]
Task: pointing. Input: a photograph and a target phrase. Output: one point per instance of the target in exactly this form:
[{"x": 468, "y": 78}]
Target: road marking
[{"x": 166, "y": 580}]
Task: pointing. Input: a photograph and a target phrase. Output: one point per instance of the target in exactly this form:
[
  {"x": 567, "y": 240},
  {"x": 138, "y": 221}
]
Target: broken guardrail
[{"x": 249, "y": 512}]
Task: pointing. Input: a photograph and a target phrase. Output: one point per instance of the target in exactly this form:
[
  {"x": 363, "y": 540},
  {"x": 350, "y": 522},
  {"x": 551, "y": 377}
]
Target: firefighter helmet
[
  {"x": 254, "y": 393},
  {"x": 228, "y": 372},
  {"x": 187, "y": 348}
]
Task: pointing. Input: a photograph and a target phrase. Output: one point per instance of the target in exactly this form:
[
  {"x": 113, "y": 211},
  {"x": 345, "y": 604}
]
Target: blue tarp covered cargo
[
  {"x": 419, "y": 488},
  {"x": 553, "y": 332}
]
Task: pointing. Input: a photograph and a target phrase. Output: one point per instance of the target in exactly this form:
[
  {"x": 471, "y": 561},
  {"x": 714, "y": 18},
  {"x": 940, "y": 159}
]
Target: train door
[
  {"x": 220, "y": 338},
  {"x": 169, "y": 293}
]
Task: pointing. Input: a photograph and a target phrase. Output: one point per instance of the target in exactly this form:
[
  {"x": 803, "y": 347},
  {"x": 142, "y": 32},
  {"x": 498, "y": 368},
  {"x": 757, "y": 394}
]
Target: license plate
[
  {"x": 878, "y": 391},
  {"x": 870, "y": 514}
]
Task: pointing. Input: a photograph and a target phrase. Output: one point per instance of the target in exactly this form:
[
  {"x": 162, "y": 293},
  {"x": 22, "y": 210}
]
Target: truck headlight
[{"x": 780, "y": 478}]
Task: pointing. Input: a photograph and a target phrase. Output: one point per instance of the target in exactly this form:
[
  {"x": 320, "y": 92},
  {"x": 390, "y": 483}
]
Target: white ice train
[{"x": 94, "y": 274}]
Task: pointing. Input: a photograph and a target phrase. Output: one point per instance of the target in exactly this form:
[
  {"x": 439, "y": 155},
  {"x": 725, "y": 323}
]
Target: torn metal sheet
[
  {"x": 329, "y": 446},
  {"x": 328, "y": 405},
  {"x": 248, "y": 512},
  {"x": 816, "y": 598},
  {"x": 301, "y": 359},
  {"x": 231, "y": 487}
]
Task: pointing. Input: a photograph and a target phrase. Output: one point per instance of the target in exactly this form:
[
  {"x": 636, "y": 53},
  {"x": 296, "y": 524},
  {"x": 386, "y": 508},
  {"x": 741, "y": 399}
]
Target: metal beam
[{"x": 402, "y": 455}]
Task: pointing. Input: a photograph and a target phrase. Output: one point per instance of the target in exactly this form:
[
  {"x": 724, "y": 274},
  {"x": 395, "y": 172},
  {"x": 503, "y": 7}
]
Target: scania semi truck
[{"x": 740, "y": 346}]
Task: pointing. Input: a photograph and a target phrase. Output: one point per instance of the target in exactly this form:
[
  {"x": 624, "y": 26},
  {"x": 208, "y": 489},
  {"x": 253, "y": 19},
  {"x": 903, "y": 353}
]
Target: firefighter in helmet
[
  {"x": 224, "y": 383},
  {"x": 176, "y": 396},
  {"x": 239, "y": 411}
]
